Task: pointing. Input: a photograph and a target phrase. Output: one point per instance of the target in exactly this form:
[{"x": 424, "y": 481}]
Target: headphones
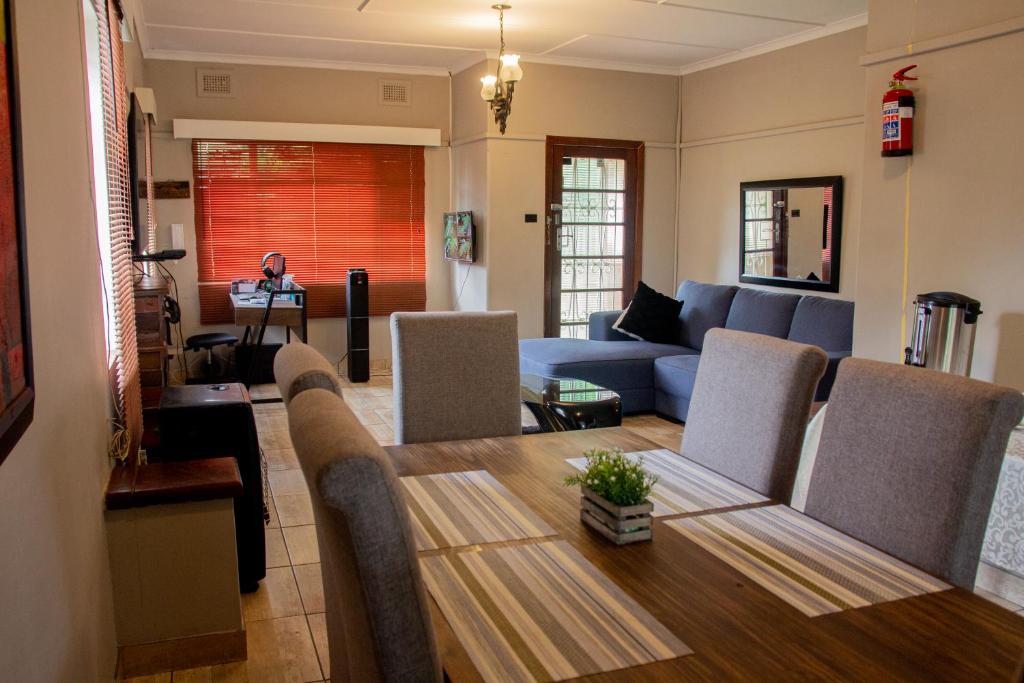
[
  {"x": 172, "y": 310},
  {"x": 272, "y": 265}
]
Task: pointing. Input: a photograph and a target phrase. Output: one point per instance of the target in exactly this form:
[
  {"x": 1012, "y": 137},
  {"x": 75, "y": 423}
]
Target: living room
[{"x": 684, "y": 108}]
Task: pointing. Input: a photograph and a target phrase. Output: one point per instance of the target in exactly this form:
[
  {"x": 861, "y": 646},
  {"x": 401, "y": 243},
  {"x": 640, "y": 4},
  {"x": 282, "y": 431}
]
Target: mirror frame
[{"x": 833, "y": 181}]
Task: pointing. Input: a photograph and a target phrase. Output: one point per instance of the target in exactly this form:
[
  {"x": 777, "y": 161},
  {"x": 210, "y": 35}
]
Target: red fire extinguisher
[{"x": 898, "y": 116}]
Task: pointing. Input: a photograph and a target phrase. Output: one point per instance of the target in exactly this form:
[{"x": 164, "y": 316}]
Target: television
[
  {"x": 137, "y": 170},
  {"x": 459, "y": 237}
]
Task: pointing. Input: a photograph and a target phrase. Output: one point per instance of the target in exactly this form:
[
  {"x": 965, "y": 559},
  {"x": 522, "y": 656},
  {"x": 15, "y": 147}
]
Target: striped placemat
[
  {"x": 811, "y": 566},
  {"x": 465, "y": 508},
  {"x": 684, "y": 486},
  {"x": 540, "y": 611}
]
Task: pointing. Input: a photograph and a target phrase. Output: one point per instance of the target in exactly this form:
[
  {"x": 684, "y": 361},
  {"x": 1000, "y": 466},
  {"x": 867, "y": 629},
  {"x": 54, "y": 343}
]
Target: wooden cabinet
[{"x": 151, "y": 329}]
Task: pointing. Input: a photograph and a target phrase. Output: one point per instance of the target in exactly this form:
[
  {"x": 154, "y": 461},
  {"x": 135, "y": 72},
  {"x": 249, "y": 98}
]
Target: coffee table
[{"x": 563, "y": 404}]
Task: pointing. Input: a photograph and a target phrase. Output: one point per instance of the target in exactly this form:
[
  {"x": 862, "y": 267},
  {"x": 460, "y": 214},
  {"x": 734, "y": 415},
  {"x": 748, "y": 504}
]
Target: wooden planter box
[{"x": 618, "y": 524}]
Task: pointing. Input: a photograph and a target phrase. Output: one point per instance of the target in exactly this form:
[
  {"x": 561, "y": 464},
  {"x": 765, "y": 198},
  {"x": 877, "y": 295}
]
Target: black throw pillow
[{"x": 650, "y": 316}]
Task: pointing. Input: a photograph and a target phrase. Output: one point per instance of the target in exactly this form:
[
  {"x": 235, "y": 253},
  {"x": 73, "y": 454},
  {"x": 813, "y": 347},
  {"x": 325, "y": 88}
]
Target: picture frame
[
  {"x": 459, "y": 237},
  {"x": 17, "y": 386}
]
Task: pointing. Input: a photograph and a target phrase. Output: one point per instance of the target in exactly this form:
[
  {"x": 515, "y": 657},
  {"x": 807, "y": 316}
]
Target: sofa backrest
[
  {"x": 760, "y": 312},
  {"x": 704, "y": 307},
  {"x": 826, "y": 323}
]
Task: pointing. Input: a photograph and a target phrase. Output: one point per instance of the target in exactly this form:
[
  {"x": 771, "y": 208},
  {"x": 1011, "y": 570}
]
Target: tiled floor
[{"x": 285, "y": 623}]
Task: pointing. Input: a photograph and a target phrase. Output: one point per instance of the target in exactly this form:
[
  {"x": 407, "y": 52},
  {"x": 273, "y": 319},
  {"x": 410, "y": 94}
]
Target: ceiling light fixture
[{"x": 497, "y": 90}]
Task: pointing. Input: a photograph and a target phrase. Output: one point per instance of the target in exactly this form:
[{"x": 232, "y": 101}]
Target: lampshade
[
  {"x": 510, "y": 71},
  {"x": 489, "y": 88}
]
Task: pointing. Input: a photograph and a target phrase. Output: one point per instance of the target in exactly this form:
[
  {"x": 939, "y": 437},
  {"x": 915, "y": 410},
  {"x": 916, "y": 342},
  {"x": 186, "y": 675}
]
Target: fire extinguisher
[{"x": 898, "y": 116}]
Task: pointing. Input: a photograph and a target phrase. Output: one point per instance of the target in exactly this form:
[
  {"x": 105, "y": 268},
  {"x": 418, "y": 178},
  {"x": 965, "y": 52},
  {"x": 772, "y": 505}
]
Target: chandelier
[{"x": 497, "y": 90}]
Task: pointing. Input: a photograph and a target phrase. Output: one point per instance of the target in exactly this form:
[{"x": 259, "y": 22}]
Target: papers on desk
[{"x": 259, "y": 300}]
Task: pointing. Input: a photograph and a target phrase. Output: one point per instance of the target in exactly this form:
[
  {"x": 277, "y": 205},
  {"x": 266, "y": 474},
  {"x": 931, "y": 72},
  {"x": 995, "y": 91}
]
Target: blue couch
[{"x": 660, "y": 377}]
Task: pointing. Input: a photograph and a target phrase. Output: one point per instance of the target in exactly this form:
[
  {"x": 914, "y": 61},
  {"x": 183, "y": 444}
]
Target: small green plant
[{"x": 614, "y": 477}]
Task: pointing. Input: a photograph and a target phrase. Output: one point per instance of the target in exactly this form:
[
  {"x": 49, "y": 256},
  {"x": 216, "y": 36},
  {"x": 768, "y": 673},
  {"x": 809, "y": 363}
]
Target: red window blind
[
  {"x": 327, "y": 207},
  {"x": 124, "y": 357}
]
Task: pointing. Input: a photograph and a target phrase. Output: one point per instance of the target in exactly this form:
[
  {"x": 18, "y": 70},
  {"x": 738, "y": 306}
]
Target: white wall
[
  {"x": 554, "y": 100},
  {"x": 56, "y": 610},
  {"x": 966, "y": 229},
  {"x": 297, "y": 95},
  {"x": 787, "y": 114}
]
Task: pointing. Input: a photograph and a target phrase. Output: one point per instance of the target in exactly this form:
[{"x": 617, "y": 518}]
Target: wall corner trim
[
  {"x": 305, "y": 132},
  {"x": 974, "y": 35}
]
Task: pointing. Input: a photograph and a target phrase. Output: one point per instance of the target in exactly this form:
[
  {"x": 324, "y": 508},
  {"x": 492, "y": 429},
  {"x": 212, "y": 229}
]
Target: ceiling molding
[
  {"x": 772, "y": 45},
  {"x": 468, "y": 63},
  {"x": 221, "y": 58}
]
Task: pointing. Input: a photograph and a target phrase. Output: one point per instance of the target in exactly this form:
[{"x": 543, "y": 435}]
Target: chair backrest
[
  {"x": 298, "y": 367},
  {"x": 749, "y": 410},
  {"x": 909, "y": 460},
  {"x": 456, "y": 376},
  {"x": 378, "y": 623}
]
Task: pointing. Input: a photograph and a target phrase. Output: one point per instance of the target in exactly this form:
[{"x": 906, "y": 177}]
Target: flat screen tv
[{"x": 459, "y": 237}]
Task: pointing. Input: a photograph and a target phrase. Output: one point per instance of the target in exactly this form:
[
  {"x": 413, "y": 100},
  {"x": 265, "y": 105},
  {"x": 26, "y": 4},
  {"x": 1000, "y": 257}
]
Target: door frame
[{"x": 633, "y": 216}]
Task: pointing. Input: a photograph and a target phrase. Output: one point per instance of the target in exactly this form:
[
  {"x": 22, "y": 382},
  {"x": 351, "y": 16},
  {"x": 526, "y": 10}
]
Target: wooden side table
[{"x": 151, "y": 332}]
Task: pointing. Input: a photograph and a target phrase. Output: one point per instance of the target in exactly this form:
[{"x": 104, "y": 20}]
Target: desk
[
  {"x": 290, "y": 314},
  {"x": 737, "y": 629}
]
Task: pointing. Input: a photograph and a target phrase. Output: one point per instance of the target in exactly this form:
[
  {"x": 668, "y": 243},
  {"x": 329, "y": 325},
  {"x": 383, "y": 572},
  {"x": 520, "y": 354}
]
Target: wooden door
[{"x": 594, "y": 204}]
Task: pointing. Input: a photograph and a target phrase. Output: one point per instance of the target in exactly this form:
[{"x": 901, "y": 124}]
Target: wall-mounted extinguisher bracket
[{"x": 898, "y": 116}]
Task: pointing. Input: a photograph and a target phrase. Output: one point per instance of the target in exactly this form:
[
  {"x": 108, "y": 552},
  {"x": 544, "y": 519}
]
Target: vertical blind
[
  {"x": 124, "y": 357},
  {"x": 327, "y": 207}
]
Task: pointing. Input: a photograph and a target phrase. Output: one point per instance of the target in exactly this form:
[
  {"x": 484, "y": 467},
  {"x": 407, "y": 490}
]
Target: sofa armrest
[{"x": 601, "y": 327}]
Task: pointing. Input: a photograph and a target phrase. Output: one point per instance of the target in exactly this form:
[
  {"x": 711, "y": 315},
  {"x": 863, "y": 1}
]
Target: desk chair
[{"x": 207, "y": 342}]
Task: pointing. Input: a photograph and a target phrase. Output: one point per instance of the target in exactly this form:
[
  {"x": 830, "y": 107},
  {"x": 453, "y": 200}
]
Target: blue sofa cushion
[
  {"x": 601, "y": 327},
  {"x": 826, "y": 323},
  {"x": 761, "y": 312},
  {"x": 675, "y": 375},
  {"x": 612, "y": 364},
  {"x": 704, "y": 306}
]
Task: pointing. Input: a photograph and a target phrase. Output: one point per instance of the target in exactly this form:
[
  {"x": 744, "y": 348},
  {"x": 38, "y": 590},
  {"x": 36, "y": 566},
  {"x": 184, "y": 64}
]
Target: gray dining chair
[
  {"x": 378, "y": 622},
  {"x": 298, "y": 367},
  {"x": 908, "y": 462},
  {"x": 750, "y": 405},
  {"x": 456, "y": 376}
]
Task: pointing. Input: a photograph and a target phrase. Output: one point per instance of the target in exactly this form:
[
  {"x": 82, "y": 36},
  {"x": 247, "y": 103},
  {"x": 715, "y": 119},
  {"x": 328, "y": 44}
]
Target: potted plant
[{"x": 614, "y": 492}]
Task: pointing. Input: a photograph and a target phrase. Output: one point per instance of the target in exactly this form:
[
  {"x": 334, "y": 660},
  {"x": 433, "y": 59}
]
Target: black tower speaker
[
  {"x": 357, "y": 299},
  {"x": 213, "y": 421}
]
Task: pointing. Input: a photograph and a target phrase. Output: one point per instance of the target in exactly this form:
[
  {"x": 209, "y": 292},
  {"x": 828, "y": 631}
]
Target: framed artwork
[
  {"x": 17, "y": 394},
  {"x": 459, "y": 238}
]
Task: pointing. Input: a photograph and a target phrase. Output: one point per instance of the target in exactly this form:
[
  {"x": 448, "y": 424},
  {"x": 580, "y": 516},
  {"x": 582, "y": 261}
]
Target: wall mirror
[{"x": 791, "y": 232}]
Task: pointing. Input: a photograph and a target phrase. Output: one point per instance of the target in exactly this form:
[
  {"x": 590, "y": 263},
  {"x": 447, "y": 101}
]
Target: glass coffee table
[{"x": 562, "y": 404}]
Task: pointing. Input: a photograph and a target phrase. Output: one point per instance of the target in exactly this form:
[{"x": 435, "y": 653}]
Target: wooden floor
[{"x": 284, "y": 619}]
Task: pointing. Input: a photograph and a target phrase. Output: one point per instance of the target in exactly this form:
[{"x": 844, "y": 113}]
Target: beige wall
[
  {"x": 966, "y": 233},
  {"x": 301, "y": 96},
  {"x": 56, "y": 611},
  {"x": 786, "y": 114},
  {"x": 564, "y": 101}
]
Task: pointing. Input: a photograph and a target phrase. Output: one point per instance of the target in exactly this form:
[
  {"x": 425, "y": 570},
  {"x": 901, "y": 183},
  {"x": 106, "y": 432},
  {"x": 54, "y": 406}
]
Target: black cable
[{"x": 182, "y": 361}]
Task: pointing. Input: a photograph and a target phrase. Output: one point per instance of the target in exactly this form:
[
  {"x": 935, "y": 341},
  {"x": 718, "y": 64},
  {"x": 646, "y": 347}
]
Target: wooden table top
[{"x": 737, "y": 629}]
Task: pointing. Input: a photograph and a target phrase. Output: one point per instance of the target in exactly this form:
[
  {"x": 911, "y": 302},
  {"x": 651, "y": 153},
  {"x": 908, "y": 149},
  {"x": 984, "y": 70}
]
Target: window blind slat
[
  {"x": 327, "y": 207},
  {"x": 124, "y": 361}
]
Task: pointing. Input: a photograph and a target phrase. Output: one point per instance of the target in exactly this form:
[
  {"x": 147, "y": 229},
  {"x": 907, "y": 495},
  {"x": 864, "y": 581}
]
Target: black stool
[{"x": 207, "y": 342}]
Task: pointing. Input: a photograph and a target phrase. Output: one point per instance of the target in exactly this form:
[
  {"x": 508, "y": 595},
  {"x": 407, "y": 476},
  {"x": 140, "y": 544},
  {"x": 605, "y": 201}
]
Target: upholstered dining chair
[
  {"x": 298, "y": 367},
  {"x": 378, "y": 623},
  {"x": 908, "y": 462},
  {"x": 456, "y": 376},
  {"x": 751, "y": 401}
]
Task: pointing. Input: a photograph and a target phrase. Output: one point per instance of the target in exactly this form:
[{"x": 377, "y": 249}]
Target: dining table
[{"x": 736, "y": 628}]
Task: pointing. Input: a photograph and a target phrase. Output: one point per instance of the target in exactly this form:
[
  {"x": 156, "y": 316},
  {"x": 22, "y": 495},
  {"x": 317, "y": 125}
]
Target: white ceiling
[{"x": 438, "y": 36}]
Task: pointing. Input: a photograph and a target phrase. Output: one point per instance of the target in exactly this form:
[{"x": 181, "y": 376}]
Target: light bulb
[
  {"x": 489, "y": 88},
  {"x": 510, "y": 72}
]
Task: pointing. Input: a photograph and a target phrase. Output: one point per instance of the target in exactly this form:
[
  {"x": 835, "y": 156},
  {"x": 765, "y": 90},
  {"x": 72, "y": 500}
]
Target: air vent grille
[
  {"x": 214, "y": 83},
  {"x": 395, "y": 93}
]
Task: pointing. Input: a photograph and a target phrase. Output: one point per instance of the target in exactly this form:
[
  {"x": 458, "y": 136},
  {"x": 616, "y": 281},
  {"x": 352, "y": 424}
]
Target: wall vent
[
  {"x": 392, "y": 92},
  {"x": 214, "y": 83}
]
